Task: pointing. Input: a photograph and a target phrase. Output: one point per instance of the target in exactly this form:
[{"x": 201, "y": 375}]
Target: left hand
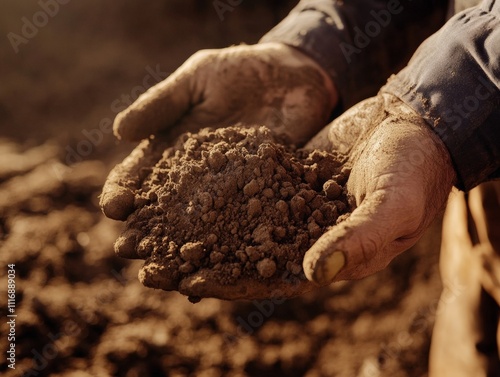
[
  {"x": 270, "y": 83},
  {"x": 400, "y": 179}
]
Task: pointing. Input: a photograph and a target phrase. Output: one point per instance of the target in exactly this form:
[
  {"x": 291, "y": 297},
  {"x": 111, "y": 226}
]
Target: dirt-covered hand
[
  {"x": 270, "y": 84},
  {"x": 401, "y": 175}
]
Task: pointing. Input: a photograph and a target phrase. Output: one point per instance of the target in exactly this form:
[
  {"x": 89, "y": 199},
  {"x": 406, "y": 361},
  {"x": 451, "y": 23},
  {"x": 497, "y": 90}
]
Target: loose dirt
[
  {"x": 229, "y": 212},
  {"x": 81, "y": 311}
]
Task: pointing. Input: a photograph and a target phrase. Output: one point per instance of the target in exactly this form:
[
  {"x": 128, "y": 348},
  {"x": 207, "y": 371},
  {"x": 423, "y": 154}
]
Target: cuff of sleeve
[
  {"x": 452, "y": 81},
  {"x": 359, "y": 43},
  {"x": 315, "y": 33}
]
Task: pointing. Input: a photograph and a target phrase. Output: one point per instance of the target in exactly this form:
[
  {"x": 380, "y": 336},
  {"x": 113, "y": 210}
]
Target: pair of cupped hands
[{"x": 401, "y": 173}]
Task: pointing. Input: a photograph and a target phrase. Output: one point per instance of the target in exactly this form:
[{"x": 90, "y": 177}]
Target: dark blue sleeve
[
  {"x": 360, "y": 43},
  {"x": 453, "y": 82}
]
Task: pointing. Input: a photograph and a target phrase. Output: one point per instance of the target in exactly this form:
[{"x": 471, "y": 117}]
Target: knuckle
[
  {"x": 369, "y": 246},
  {"x": 201, "y": 56}
]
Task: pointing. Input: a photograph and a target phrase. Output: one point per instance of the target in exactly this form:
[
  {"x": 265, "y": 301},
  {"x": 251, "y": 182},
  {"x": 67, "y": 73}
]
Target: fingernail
[{"x": 327, "y": 268}]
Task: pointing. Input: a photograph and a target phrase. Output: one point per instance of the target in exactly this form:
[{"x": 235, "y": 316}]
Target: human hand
[
  {"x": 401, "y": 175},
  {"x": 270, "y": 84}
]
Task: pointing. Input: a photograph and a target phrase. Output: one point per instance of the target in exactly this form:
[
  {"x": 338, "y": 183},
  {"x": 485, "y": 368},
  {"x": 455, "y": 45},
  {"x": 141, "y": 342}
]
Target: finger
[
  {"x": 362, "y": 245},
  {"x": 118, "y": 194},
  {"x": 456, "y": 242},
  {"x": 162, "y": 105},
  {"x": 484, "y": 203},
  {"x": 160, "y": 275},
  {"x": 455, "y": 223},
  {"x": 126, "y": 244},
  {"x": 207, "y": 283}
]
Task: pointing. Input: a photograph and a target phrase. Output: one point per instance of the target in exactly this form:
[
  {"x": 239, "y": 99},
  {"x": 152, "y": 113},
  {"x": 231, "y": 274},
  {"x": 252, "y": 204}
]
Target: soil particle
[
  {"x": 332, "y": 189},
  {"x": 254, "y": 207},
  {"x": 234, "y": 201},
  {"x": 266, "y": 267},
  {"x": 192, "y": 252},
  {"x": 251, "y": 188}
]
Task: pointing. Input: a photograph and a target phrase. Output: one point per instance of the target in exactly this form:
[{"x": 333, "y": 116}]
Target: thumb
[
  {"x": 117, "y": 200},
  {"x": 162, "y": 105},
  {"x": 363, "y": 244}
]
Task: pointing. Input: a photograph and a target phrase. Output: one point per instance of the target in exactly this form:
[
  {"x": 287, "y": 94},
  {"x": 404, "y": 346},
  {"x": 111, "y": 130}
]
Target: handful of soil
[{"x": 230, "y": 213}]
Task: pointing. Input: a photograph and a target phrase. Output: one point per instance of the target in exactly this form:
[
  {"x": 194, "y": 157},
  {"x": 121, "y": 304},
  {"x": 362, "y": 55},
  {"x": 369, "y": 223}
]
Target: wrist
[{"x": 441, "y": 160}]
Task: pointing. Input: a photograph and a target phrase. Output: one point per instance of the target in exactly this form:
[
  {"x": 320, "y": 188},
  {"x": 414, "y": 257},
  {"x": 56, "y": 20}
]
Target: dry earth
[{"x": 81, "y": 309}]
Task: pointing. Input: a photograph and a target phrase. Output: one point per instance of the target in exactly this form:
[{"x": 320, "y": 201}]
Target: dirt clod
[
  {"x": 332, "y": 189},
  {"x": 266, "y": 267},
  {"x": 236, "y": 203},
  {"x": 192, "y": 252}
]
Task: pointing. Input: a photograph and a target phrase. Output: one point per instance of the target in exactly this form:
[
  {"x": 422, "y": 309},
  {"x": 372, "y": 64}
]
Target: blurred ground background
[{"x": 81, "y": 310}]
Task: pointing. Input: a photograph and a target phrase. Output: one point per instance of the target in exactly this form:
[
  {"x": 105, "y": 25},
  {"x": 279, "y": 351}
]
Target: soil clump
[{"x": 234, "y": 208}]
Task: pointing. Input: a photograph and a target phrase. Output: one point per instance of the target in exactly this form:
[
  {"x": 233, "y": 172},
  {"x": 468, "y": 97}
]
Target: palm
[{"x": 400, "y": 178}]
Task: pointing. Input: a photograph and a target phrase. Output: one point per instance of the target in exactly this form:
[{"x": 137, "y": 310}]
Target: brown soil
[
  {"x": 230, "y": 212},
  {"x": 81, "y": 311}
]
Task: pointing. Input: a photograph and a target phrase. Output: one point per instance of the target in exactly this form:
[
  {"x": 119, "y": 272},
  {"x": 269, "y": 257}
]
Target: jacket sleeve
[
  {"x": 360, "y": 43},
  {"x": 453, "y": 82}
]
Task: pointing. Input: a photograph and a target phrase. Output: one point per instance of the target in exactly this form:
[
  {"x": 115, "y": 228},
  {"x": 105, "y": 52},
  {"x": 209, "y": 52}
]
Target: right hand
[
  {"x": 270, "y": 84},
  {"x": 401, "y": 175}
]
